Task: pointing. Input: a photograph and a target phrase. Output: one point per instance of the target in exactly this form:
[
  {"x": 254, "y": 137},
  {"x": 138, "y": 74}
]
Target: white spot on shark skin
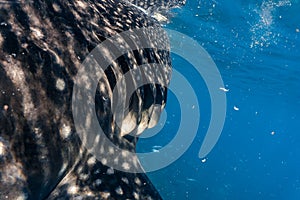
[
  {"x": 135, "y": 195},
  {"x": 60, "y": 84},
  {"x": 73, "y": 189},
  {"x": 137, "y": 181},
  {"x": 5, "y": 107},
  {"x": 159, "y": 17},
  {"x": 21, "y": 197},
  {"x": 1, "y": 40},
  {"x": 97, "y": 171},
  {"x": 65, "y": 131},
  {"x": 38, "y": 132},
  {"x": 91, "y": 161},
  {"x": 119, "y": 190},
  {"x": 104, "y": 161},
  {"x": 126, "y": 166},
  {"x": 37, "y": 33},
  {"x": 125, "y": 180},
  {"x": 56, "y": 7},
  {"x": 97, "y": 139},
  {"x": 2, "y": 149},
  {"x": 84, "y": 177},
  {"x": 88, "y": 120},
  {"x": 98, "y": 182},
  {"x": 81, "y": 5},
  {"x": 110, "y": 171},
  {"x": 3, "y": 24},
  {"x": 105, "y": 195},
  {"x": 125, "y": 154},
  {"x": 111, "y": 150}
]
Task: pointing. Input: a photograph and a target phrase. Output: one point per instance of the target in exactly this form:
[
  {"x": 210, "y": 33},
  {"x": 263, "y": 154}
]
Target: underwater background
[{"x": 256, "y": 47}]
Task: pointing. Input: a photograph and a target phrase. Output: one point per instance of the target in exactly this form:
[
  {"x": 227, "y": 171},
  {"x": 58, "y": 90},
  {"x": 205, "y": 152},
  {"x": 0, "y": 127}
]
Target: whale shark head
[{"x": 42, "y": 47}]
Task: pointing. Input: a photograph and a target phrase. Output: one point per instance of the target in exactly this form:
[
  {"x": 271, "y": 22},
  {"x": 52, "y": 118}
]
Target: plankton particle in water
[
  {"x": 224, "y": 89},
  {"x": 236, "y": 108},
  {"x": 273, "y": 133}
]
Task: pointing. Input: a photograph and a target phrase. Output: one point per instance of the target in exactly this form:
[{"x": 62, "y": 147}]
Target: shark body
[{"x": 42, "y": 46}]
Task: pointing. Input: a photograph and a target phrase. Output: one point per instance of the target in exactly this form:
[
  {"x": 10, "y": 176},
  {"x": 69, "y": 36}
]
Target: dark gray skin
[
  {"x": 159, "y": 6},
  {"x": 42, "y": 45}
]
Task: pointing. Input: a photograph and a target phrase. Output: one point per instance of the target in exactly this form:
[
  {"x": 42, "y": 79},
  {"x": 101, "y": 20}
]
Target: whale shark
[{"x": 42, "y": 47}]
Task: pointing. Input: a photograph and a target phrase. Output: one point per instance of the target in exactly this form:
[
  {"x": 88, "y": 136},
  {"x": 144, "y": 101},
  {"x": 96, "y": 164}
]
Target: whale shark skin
[
  {"x": 151, "y": 6},
  {"x": 42, "y": 46}
]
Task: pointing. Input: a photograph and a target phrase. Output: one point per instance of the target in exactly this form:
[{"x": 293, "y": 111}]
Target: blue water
[{"x": 256, "y": 47}]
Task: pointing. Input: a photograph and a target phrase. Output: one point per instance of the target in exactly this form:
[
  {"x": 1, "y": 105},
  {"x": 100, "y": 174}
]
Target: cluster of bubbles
[{"x": 263, "y": 31}]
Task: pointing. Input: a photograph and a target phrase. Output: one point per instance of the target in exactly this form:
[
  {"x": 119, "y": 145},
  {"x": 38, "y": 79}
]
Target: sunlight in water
[{"x": 263, "y": 30}]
